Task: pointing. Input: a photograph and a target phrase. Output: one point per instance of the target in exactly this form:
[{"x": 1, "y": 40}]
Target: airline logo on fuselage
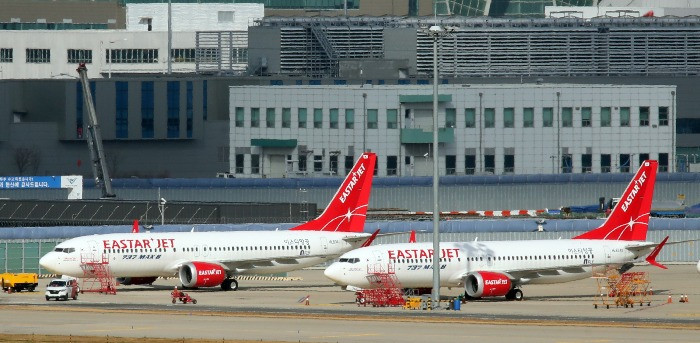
[
  {"x": 637, "y": 185},
  {"x": 355, "y": 177},
  {"x": 144, "y": 243},
  {"x": 421, "y": 253}
]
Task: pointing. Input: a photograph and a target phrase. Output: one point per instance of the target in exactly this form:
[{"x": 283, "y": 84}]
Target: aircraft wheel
[
  {"x": 229, "y": 285},
  {"x": 234, "y": 285},
  {"x": 517, "y": 295}
]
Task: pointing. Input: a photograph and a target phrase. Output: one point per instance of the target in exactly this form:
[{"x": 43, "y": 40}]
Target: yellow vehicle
[{"x": 18, "y": 282}]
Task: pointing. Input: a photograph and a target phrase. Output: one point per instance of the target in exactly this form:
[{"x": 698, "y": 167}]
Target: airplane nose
[
  {"x": 48, "y": 262},
  {"x": 335, "y": 273}
]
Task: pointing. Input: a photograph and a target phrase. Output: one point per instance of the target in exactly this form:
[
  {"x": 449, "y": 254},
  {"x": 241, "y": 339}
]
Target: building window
[
  {"x": 286, "y": 118},
  {"x": 469, "y": 164},
  {"x": 547, "y": 117},
  {"x": 392, "y": 165},
  {"x": 239, "y": 119},
  {"x": 318, "y": 118},
  {"x": 254, "y": 117},
  {"x": 663, "y": 116},
  {"x": 255, "y": 164},
  {"x": 302, "y": 163},
  {"x": 642, "y": 158},
  {"x": 392, "y": 118},
  {"x": 567, "y": 117},
  {"x": 207, "y": 55},
  {"x": 372, "y": 118},
  {"x": 470, "y": 117},
  {"x": 349, "y": 118},
  {"x": 450, "y": 164},
  {"x": 490, "y": 164},
  {"x": 333, "y": 164},
  {"x": 173, "y": 109},
  {"x": 333, "y": 117},
  {"x": 625, "y": 163},
  {"x": 225, "y": 16},
  {"x": 644, "y": 116},
  {"x": 605, "y": 163},
  {"x": 663, "y": 162},
  {"x": 38, "y": 56},
  {"x": 586, "y": 163},
  {"x": 349, "y": 163},
  {"x": 122, "y": 109},
  {"x": 489, "y": 118},
  {"x": 624, "y": 116},
  {"x": 270, "y": 118},
  {"x": 509, "y": 117},
  {"x": 450, "y": 117},
  {"x": 318, "y": 163},
  {"x": 189, "y": 111},
  {"x": 586, "y": 113},
  {"x": 240, "y": 158},
  {"x": 6, "y": 55},
  {"x": 605, "y": 117},
  {"x": 567, "y": 164},
  {"x": 301, "y": 118},
  {"x": 79, "y": 56},
  {"x": 528, "y": 117},
  {"x": 147, "y": 105},
  {"x": 131, "y": 56},
  {"x": 182, "y": 55},
  {"x": 509, "y": 164}
]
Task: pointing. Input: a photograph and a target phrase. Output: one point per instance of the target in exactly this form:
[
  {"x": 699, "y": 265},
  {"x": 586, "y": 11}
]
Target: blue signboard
[{"x": 20, "y": 182}]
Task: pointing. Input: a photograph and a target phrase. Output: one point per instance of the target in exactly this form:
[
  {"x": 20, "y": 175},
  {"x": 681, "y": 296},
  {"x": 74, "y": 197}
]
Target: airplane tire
[
  {"x": 518, "y": 295},
  {"x": 234, "y": 285}
]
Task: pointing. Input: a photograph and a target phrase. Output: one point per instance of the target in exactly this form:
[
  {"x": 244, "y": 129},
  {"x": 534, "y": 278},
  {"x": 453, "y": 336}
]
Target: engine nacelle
[
  {"x": 201, "y": 274},
  {"x": 487, "y": 284},
  {"x": 146, "y": 280}
]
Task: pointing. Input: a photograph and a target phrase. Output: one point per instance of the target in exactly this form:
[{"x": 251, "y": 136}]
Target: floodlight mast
[{"x": 94, "y": 139}]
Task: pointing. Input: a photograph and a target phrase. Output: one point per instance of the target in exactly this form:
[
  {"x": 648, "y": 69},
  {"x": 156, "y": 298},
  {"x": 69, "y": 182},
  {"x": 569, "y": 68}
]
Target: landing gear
[
  {"x": 229, "y": 285},
  {"x": 515, "y": 294}
]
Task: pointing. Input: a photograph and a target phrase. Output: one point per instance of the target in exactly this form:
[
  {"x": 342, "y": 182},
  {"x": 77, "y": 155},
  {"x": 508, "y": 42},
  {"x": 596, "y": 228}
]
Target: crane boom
[{"x": 94, "y": 139}]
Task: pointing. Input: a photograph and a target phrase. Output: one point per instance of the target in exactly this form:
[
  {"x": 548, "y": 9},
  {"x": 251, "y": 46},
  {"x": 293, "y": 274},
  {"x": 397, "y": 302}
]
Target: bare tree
[{"x": 27, "y": 159}]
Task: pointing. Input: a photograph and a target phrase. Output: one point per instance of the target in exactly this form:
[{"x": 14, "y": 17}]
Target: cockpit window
[
  {"x": 349, "y": 260},
  {"x": 65, "y": 250},
  {"x": 58, "y": 250}
]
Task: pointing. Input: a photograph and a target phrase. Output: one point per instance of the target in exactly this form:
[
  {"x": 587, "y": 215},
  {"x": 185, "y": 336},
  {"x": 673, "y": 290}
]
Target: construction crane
[{"x": 94, "y": 139}]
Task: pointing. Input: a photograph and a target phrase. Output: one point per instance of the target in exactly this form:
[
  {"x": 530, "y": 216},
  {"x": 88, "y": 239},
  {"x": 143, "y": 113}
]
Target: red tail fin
[
  {"x": 135, "y": 227},
  {"x": 412, "y": 238},
  {"x": 629, "y": 219},
  {"x": 346, "y": 212}
]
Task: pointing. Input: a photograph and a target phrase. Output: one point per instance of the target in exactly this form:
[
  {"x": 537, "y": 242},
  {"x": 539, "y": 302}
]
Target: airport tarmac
[{"x": 265, "y": 310}]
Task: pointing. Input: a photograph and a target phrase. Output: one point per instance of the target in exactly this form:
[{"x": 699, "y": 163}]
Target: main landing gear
[
  {"x": 514, "y": 294},
  {"x": 229, "y": 285}
]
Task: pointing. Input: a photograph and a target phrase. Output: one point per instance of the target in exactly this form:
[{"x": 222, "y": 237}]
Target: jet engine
[
  {"x": 487, "y": 284},
  {"x": 201, "y": 274},
  {"x": 146, "y": 280}
]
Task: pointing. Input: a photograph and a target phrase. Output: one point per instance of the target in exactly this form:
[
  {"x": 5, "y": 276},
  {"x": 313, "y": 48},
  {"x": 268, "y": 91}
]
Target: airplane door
[
  {"x": 91, "y": 253},
  {"x": 378, "y": 256},
  {"x": 196, "y": 251},
  {"x": 324, "y": 243},
  {"x": 205, "y": 251}
]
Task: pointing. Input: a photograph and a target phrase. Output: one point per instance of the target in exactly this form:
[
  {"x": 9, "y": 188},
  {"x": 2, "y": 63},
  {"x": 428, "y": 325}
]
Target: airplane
[
  {"x": 210, "y": 259},
  {"x": 500, "y": 268}
]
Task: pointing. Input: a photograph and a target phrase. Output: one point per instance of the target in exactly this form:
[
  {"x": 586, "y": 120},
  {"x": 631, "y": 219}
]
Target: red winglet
[
  {"x": 652, "y": 257},
  {"x": 371, "y": 238},
  {"x": 135, "y": 228}
]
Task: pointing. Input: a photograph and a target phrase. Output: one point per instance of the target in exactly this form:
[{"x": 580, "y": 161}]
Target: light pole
[
  {"x": 435, "y": 31},
  {"x": 109, "y": 55},
  {"x": 364, "y": 122}
]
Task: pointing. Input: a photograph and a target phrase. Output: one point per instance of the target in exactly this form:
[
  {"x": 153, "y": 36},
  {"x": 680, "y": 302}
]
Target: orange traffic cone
[
  {"x": 670, "y": 300},
  {"x": 306, "y": 301},
  {"x": 684, "y": 298}
]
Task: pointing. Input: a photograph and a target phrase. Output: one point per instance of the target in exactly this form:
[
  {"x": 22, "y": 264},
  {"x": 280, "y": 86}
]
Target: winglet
[
  {"x": 135, "y": 227},
  {"x": 652, "y": 257},
  {"x": 412, "y": 238},
  {"x": 369, "y": 240},
  {"x": 629, "y": 220},
  {"x": 347, "y": 210}
]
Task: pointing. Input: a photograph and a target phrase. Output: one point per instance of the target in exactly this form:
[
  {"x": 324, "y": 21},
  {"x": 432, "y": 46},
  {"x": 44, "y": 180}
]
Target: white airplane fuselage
[
  {"x": 551, "y": 261},
  {"x": 160, "y": 254}
]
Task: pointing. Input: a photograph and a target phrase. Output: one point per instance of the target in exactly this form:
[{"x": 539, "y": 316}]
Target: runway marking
[{"x": 360, "y": 317}]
